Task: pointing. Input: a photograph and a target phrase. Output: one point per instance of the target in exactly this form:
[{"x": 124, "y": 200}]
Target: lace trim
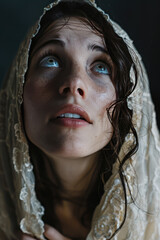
[
  {"x": 109, "y": 214},
  {"x": 111, "y": 210},
  {"x": 32, "y": 222}
]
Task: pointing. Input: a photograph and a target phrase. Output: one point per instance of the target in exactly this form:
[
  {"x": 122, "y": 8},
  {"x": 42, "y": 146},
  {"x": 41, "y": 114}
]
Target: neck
[
  {"x": 76, "y": 179},
  {"x": 75, "y": 175}
]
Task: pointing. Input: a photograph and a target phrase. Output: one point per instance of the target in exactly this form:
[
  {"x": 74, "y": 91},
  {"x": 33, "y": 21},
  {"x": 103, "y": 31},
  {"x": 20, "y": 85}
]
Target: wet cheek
[
  {"x": 103, "y": 117},
  {"x": 36, "y": 89},
  {"x": 104, "y": 101},
  {"x": 103, "y": 104},
  {"x": 30, "y": 96},
  {"x": 39, "y": 78},
  {"x": 32, "y": 102}
]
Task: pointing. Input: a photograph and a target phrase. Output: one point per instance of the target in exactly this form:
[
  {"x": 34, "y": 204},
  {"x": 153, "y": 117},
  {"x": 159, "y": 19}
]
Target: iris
[
  {"x": 49, "y": 61},
  {"x": 101, "y": 68}
]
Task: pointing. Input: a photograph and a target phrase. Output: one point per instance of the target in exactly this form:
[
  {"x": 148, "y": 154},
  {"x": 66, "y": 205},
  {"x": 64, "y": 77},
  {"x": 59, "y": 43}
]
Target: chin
[
  {"x": 72, "y": 153},
  {"x": 67, "y": 154}
]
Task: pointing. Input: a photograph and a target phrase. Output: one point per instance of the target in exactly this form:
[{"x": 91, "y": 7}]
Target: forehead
[{"x": 72, "y": 29}]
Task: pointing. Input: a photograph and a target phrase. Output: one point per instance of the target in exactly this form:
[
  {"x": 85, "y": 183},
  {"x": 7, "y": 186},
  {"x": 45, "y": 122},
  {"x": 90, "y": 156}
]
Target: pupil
[{"x": 101, "y": 67}]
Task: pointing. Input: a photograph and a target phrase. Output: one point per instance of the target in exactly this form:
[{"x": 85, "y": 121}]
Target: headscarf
[{"x": 19, "y": 205}]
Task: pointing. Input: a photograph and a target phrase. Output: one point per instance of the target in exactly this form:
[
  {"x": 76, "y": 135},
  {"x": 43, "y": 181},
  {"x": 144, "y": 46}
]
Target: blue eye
[
  {"x": 101, "y": 68},
  {"x": 49, "y": 61}
]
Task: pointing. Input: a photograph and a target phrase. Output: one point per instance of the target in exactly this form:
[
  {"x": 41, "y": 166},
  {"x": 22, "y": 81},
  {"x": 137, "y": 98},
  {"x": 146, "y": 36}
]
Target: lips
[{"x": 75, "y": 109}]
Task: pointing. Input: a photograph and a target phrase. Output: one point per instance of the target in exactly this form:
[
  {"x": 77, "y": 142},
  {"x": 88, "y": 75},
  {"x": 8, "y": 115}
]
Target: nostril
[
  {"x": 66, "y": 90},
  {"x": 73, "y": 90},
  {"x": 80, "y": 91}
]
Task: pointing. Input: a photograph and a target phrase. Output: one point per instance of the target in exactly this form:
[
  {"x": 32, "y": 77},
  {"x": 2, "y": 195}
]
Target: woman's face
[{"x": 67, "y": 91}]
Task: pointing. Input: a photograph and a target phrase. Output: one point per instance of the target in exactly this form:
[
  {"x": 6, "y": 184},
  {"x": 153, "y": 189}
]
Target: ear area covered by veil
[{"x": 18, "y": 200}]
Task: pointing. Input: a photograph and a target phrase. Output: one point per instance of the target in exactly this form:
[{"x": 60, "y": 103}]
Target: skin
[
  {"x": 50, "y": 233},
  {"x": 69, "y": 71}
]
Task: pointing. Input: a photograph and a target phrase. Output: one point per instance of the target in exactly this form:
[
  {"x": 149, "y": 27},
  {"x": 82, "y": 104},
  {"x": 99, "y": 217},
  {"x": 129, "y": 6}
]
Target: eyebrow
[
  {"x": 52, "y": 41},
  {"x": 61, "y": 43},
  {"x": 97, "y": 48}
]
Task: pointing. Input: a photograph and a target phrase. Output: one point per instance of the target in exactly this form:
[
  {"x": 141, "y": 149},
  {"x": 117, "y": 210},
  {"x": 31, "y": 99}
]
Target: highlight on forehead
[
  {"x": 82, "y": 21},
  {"x": 85, "y": 12},
  {"x": 71, "y": 23},
  {"x": 59, "y": 34},
  {"x": 88, "y": 16}
]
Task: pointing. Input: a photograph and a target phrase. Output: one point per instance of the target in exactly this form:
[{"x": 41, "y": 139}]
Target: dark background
[{"x": 140, "y": 18}]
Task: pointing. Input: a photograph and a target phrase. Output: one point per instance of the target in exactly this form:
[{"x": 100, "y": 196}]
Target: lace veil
[{"x": 18, "y": 202}]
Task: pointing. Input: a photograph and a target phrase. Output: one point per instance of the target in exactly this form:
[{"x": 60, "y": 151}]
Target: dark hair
[{"x": 121, "y": 117}]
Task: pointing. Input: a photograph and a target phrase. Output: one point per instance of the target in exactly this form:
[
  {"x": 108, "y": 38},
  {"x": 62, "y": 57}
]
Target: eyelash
[
  {"x": 49, "y": 52},
  {"x": 106, "y": 63},
  {"x": 46, "y": 54}
]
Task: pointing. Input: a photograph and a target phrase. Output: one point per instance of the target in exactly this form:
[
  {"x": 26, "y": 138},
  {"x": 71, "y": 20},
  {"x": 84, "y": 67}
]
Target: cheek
[
  {"x": 28, "y": 115},
  {"x": 29, "y": 101},
  {"x": 32, "y": 108},
  {"x": 36, "y": 93},
  {"x": 104, "y": 101}
]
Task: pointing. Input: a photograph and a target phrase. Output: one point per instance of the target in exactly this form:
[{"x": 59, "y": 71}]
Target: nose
[{"x": 74, "y": 83}]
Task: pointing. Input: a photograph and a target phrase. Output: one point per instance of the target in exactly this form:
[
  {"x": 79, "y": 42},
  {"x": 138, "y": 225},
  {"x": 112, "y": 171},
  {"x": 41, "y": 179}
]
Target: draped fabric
[{"x": 19, "y": 206}]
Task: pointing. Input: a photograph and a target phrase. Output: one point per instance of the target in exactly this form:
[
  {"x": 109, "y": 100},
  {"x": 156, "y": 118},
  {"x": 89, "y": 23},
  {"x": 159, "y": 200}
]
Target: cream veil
[{"x": 142, "y": 171}]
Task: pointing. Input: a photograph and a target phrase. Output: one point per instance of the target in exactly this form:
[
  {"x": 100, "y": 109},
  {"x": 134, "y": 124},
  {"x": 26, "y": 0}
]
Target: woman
[{"x": 74, "y": 108}]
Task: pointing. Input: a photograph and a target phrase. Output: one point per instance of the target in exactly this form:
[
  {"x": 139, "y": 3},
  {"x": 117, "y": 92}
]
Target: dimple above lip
[{"x": 74, "y": 109}]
